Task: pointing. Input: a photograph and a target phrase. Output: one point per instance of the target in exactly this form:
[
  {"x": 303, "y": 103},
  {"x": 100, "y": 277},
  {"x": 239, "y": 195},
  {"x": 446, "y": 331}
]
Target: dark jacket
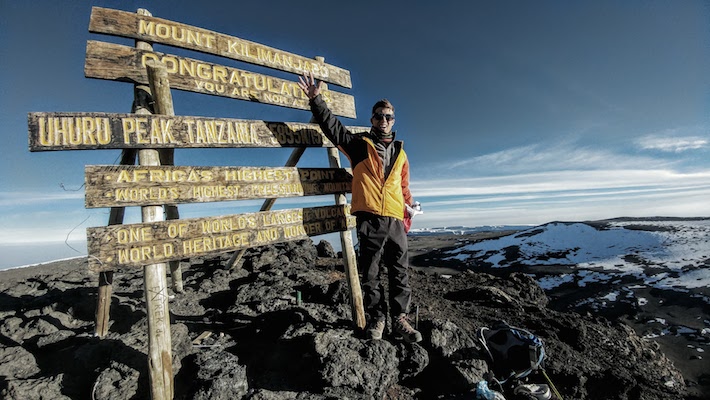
[{"x": 373, "y": 190}]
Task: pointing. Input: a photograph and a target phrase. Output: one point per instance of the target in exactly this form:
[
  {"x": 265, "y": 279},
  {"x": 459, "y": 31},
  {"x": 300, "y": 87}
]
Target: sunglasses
[{"x": 379, "y": 116}]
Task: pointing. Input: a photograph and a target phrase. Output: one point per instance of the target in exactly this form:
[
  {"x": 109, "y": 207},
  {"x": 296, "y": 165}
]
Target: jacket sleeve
[
  {"x": 329, "y": 123},
  {"x": 405, "y": 184}
]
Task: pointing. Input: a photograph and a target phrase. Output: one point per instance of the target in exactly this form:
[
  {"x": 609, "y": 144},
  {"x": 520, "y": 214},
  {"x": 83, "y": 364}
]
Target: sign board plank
[
  {"x": 128, "y": 64},
  {"x": 87, "y": 131},
  {"x": 129, "y": 185},
  {"x": 135, "y": 245},
  {"x": 157, "y": 30}
]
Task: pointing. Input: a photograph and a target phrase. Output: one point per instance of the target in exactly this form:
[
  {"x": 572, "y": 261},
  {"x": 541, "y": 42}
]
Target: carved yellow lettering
[
  {"x": 146, "y": 28},
  {"x": 45, "y": 138},
  {"x": 240, "y": 239},
  {"x": 140, "y": 130},
  {"x": 123, "y": 257},
  {"x": 162, "y": 31},
  {"x": 128, "y": 128},
  {"x": 140, "y": 175},
  {"x": 171, "y": 64},
  {"x": 329, "y": 225},
  {"x": 166, "y": 131},
  {"x": 134, "y": 234},
  {"x": 123, "y": 176},
  {"x": 188, "y": 67},
  {"x": 177, "y": 33},
  {"x": 219, "y": 73},
  {"x": 146, "y": 253},
  {"x": 190, "y": 123},
  {"x": 267, "y": 235},
  {"x": 235, "y": 79},
  {"x": 204, "y": 71},
  {"x": 103, "y": 131},
  {"x": 177, "y": 229},
  {"x": 157, "y": 175},
  {"x": 233, "y": 47},
  {"x": 134, "y": 254},
  {"x": 294, "y": 231},
  {"x": 260, "y": 82}
]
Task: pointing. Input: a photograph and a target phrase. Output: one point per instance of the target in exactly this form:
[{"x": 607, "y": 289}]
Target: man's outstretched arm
[{"x": 331, "y": 125}]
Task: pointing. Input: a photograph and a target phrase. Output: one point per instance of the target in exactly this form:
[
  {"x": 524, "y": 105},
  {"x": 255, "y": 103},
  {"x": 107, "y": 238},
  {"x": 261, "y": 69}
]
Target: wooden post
[
  {"x": 349, "y": 258},
  {"x": 268, "y": 203},
  {"x": 163, "y": 104},
  {"x": 155, "y": 285},
  {"x": 141, "y": 105},
  {"x": 103, "y": 303},
  {"x": 160, "y": 360}
]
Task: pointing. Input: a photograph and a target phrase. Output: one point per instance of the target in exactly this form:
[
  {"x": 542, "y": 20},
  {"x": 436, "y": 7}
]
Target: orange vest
[{"x": 372, "y": 193}]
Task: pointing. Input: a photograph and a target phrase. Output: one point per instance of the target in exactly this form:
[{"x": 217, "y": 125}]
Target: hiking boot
[
  {"x": 402, "y": 327},
  {"x": 533, "y": 391},
  {"x": 375, "y": 329}
]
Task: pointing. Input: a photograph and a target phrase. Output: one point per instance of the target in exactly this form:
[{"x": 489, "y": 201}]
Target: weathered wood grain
[
  {"x": 123, "y": 185},
  {"x": 163, "y": 104},
  {"x": 158, "y": 30},
  {"x": 89, "y": 131},
  {"x": 122, "y": 63},
  {"x": 349, "y": 257},
  {"x": 160, "y": 368},
  {"x": 134, "y": 245}
]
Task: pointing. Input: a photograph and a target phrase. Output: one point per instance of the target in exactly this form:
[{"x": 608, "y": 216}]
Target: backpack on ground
[{"x": 514, "y": 352}]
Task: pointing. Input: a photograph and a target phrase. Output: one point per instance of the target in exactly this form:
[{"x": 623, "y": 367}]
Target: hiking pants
[{"x": 383, "y": 239}]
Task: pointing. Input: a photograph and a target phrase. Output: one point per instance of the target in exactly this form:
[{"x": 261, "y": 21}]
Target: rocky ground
[
  {"x": 244, "y": 334},
  {"x": 676, "y": 319}
]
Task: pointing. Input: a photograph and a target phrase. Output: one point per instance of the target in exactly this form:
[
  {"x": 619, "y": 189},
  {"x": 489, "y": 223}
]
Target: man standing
[{"x": 380, "y": 201}]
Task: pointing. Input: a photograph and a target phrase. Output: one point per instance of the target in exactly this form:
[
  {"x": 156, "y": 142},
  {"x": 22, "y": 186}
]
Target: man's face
[{"x": 383, "y": 119}]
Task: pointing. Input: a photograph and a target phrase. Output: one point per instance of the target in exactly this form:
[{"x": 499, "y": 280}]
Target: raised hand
[{"x": 308, "y": 84}]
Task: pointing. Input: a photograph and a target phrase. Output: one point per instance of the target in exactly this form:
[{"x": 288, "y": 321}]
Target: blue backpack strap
[{"x": 501, "y": 339}]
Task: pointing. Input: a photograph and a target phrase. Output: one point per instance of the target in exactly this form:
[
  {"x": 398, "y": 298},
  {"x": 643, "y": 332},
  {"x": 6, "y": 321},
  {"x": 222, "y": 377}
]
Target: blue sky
[{"x": 512, "y": 112}]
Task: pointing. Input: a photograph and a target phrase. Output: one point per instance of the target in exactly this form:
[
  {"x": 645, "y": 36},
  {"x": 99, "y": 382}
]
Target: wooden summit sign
[
  {"x": 135, "y": 245},
  {"x": 158, "y": 30},
  {"x": 122, "y": 63},
  {"x": 112, "y": 186},
  {"x": 162, "y": 239},
  {"x": 86, "y": 131}
]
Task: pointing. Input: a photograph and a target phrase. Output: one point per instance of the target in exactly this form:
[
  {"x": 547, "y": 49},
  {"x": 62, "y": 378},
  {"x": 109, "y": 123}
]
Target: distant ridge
[
  {"x": 44, "y": 262},
  {"x": 658, "y": 218},
  {"x": 464, "y": 230}
]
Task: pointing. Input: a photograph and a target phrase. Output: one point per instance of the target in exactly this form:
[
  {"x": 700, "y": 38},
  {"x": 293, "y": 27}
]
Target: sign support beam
[
  {"x": 160, "y": 360},
  {"x": 160, "y": 88},
  {"x": 103, "y": 303},
  {"x": 349, "y": 258}
]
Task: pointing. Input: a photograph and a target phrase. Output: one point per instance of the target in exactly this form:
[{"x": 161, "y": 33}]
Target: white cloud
[
  {"x": 673, "y": 144},
  {"x": 535, "y": 210},
  {"x": 38, "y": 234},
  {"x": 562, "y": 181},
  {"x": 9, "y": 199},
  {"x": 537, "y": 184},
  {"x": 548, "y": 157}
]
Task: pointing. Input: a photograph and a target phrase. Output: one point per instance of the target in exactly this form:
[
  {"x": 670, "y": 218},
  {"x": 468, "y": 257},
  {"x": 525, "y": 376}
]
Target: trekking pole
[{"x": 552, "y": 385}]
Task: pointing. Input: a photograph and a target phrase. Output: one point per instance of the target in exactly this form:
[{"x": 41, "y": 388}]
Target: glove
[{"x": 414, "y": 209}]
